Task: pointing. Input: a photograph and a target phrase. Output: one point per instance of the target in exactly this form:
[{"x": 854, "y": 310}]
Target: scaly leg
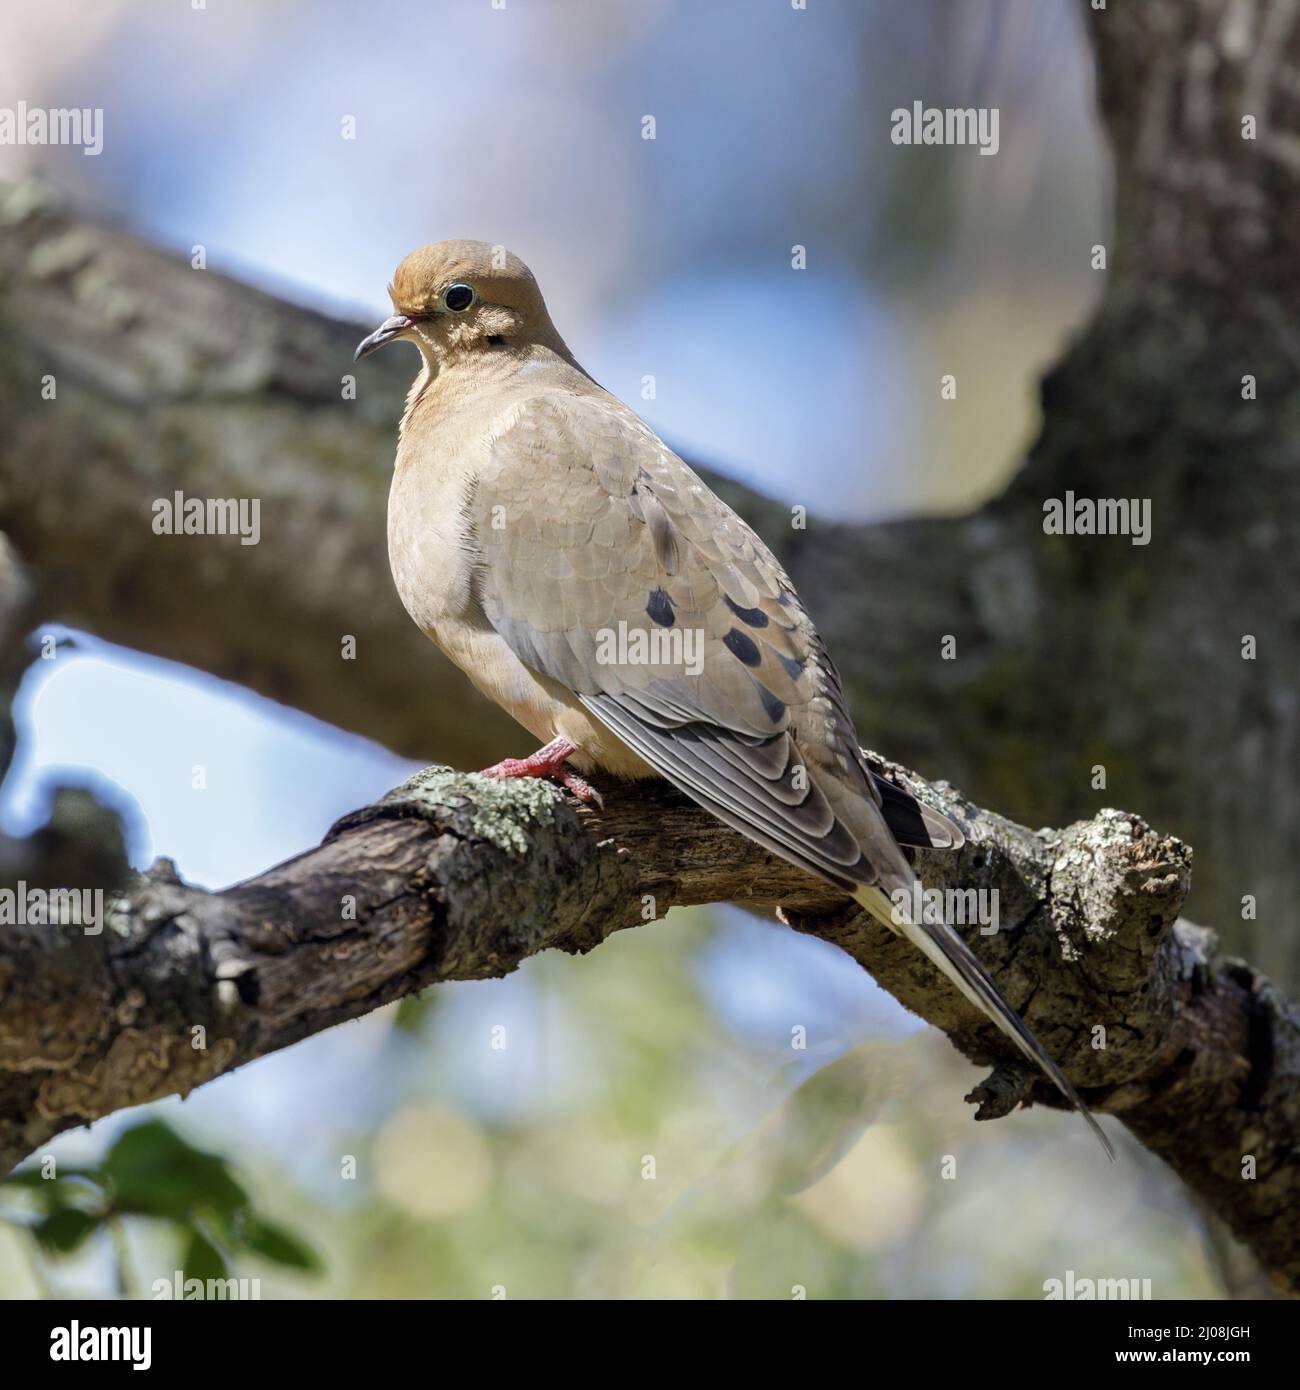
[{"x": 548, "y": 762}]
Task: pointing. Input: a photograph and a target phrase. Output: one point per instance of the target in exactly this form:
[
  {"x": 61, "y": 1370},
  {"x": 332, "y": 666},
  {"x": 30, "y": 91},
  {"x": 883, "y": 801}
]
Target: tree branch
[
  {"x": 1072, "y": 653},
  {"x": 454, "y": 877}
]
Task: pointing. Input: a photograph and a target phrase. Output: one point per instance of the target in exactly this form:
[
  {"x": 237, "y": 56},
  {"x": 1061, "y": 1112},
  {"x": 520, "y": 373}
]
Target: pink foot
[{"x": 548, "y": 762}]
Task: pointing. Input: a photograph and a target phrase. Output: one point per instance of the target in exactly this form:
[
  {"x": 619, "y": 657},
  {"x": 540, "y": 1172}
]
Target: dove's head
[{"x": 458, "y": 297}]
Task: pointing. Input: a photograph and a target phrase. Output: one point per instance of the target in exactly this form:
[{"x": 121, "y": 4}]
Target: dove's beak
[{"x": 385, "y": 333}]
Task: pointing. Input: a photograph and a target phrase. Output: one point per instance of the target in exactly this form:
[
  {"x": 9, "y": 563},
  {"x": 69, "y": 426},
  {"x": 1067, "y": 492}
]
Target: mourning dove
[{"x": 587, "y": 580}]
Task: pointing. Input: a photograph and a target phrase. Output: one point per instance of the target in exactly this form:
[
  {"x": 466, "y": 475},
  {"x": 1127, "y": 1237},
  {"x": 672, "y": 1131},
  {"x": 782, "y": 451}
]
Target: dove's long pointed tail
[{"x": 954, "y": 958}]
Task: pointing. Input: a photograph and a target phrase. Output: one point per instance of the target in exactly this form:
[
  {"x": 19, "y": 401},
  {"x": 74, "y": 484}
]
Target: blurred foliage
[
  {"x": 150, "y": 1171},
  {"x": 638, "y": 1122}
]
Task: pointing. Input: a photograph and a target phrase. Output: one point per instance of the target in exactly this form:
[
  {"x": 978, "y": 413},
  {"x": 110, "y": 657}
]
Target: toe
[{"x": 580, "y": 787}]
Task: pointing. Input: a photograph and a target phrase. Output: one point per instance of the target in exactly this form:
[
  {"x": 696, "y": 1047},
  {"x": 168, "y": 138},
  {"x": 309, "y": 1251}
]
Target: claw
[
  {"x": 549, "y": 762},
  {"x": 579, "y": 786}
]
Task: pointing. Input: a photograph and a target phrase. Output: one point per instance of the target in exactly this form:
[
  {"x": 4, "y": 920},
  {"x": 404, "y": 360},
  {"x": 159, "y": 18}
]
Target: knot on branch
[
  {"x": 1008, "y": 1086},
  {"x": 1116, "y": 888}
]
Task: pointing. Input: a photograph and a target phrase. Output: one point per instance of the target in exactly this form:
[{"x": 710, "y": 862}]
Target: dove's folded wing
[{"x": 609, "y": 566}]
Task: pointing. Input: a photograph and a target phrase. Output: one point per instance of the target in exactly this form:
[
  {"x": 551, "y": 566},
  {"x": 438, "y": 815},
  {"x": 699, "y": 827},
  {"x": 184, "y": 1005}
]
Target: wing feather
[{"x": 591, "y": 529}]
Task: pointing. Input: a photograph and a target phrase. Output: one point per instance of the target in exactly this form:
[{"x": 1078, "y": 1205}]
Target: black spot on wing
[
  {"x": 660, "y": 609},
  {"x": 751, "y": 617},
  {"x": 742, "y": 647},
  {"x": 793, "y": 668},
  {"x": 774, "y": 708}
]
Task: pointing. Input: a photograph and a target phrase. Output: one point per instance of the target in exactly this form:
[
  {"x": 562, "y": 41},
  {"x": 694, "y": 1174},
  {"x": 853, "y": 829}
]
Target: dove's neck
[{"x": 450, "y": 380}]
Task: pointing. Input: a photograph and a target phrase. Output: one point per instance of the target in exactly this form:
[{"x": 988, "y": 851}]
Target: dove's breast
[
  {"x": 433, "y": 555},
  {"x": 429, "y": 549}
]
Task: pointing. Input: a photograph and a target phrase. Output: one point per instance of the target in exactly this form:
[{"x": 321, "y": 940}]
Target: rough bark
[
  {"x": 460, "y": 877},
  {"x": 1071, "y": 652}
]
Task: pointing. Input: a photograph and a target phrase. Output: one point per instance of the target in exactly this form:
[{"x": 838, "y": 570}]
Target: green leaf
[
  {"x": 153, "y": 1172},
  {"x": 32, "y": 1177},
  {"x": 27, "y": 1177},
  {"x": 275, "y": 1243},
  {"x": 202, "y": 1260},
  {"x": 63, "y": 1230},
  {"x": 412, "y": 1012}
]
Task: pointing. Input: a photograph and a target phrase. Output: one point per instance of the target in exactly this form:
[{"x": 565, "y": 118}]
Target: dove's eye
[{"x": 459, "y": 297}]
